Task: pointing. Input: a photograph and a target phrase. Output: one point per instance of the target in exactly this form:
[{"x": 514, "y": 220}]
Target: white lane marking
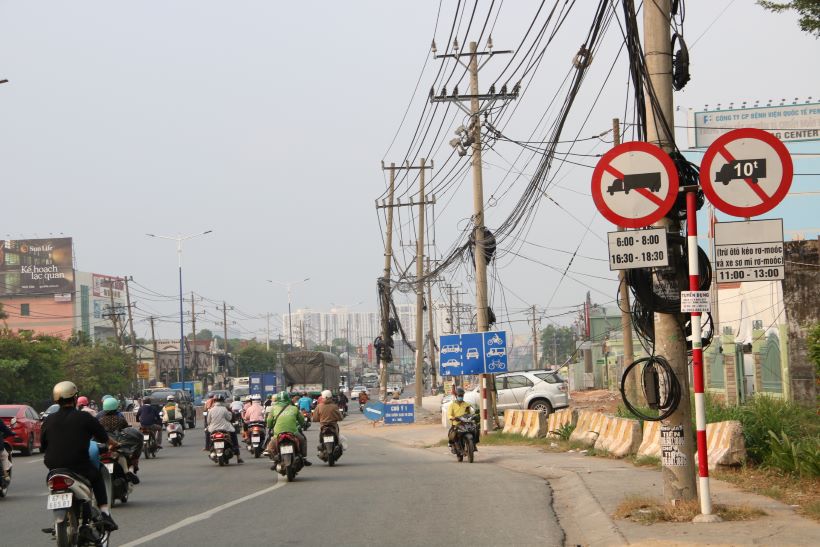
[
  {"x": 38, "y": 460},
  {"x": 202, "y": 516}
]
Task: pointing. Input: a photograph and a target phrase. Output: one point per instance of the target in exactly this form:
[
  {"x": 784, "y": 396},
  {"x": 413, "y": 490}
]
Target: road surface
[{"x": 379, "y": 494}]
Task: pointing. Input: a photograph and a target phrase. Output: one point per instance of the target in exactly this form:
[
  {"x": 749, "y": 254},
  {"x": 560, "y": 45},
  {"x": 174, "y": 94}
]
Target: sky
[{"x": 266, "y": 122}]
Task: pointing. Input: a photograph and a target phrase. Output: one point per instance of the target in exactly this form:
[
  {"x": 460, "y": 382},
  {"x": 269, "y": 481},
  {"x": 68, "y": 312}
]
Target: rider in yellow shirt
[{"x": 459, "y": 407}]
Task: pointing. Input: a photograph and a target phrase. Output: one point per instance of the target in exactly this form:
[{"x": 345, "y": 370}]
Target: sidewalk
[{"x": 587, "y": 490}]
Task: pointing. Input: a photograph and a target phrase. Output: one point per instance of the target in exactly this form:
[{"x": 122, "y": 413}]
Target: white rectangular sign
[
  {"x": 749, "y": 250},
  {"x": 791, "y": 122},
  {"x": 694, "y": 301},
  {"x": 638, "y": 249}
]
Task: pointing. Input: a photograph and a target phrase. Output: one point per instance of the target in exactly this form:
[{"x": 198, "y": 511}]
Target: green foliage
[
  {"x": 814, "y": 348},
  {"x": 564, "y": 431},
  {"x": 800, "y": 457},
  {"x": 623, "y": 412},
  {"x": 557, "y": 342},
  {"x": 762, "y": 415},
  {"x": 808, "y": 10},
  {"x": 254, "y": 357},
  {"x": 98, "y": 369}
]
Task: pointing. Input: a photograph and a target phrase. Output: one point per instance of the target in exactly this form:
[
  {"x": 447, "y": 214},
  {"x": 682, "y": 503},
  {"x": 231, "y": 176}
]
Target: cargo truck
[{"x": 311, "y": 371}]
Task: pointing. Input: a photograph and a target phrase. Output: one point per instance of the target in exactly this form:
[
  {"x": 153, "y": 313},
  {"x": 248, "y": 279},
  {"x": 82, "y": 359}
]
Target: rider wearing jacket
[
  {"x": 327, "y": 412},
  {"x": 458, "y": 408},
  {"x": 65, "y": 437},
  {"x": 286, "y": 418},
  {"x": 149, "y": 418},
  {"x": 221, "y": 419},
  {"x": 114, "y": 422}
]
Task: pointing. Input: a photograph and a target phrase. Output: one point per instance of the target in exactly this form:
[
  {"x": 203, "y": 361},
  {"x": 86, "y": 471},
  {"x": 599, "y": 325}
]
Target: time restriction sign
[{"x": 638, "y": 249}]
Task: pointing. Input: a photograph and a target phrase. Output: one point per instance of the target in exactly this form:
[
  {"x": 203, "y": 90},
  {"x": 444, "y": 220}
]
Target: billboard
[
  {"x": 104, "y": 285},
  {"x": 789, "y": 123},
  {"x": 36, "y": 266}
]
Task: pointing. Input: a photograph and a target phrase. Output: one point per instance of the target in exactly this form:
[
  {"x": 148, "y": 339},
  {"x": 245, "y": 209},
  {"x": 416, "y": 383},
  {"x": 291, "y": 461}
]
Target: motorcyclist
[
  {"x": 286, "y": 418},
  {"x": 343, "y": 401},
  {"x": 254, "y": 413},
  {"x": 65, "y": 437},
  {"x": 82, "y": 404},
  {"x": 149, "y": 418},
  {"x": 171, "y": 412},
  {"x": 221, "y": 419},
  {"x": 459, "y": 407},
  {"x": 305, "y": 401},
  {"x": 114, "y": 422},
  {"x": 363, "y": 397},
  {"x": 5, "y": 431},
  {"x": 327, "y": 413},
  {"x": 236, "y": 405}
]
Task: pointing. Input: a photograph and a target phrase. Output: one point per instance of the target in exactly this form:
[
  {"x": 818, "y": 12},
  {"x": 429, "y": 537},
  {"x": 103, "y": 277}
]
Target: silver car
[{"x": 542, "y": 390}]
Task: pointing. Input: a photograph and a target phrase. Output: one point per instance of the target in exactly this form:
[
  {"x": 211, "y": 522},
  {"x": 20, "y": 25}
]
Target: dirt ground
[{"x": 596, "y": 400}]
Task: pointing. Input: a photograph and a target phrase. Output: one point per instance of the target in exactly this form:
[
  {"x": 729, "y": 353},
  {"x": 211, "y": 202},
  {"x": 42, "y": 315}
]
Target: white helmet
[
  {"x": 64, "y": 390},
  {"x": 327, "y": 395},
  {"x": 256, "y": 397},
  {"x": 170, "y": 398},
  {"x": 248, "y": 398}
]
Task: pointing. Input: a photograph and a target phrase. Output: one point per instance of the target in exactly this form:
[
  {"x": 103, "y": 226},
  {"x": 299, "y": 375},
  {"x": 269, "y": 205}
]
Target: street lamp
[
  {"x": 290, "y": 317},
  {"x": 179, "y": 239}
]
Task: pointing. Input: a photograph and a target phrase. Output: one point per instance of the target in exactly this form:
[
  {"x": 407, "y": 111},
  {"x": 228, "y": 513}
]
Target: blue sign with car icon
[{"x": 473, "y": 353}]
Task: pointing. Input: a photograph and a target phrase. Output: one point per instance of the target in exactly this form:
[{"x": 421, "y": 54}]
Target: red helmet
[{"x": 82, "y": 401}]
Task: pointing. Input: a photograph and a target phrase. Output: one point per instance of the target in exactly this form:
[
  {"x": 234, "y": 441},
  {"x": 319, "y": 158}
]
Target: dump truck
[{"x": 311, "y": 371}]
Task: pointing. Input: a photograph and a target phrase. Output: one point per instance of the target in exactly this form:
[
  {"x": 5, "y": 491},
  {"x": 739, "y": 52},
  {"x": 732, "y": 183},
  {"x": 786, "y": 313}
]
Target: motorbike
[
  {"x": 149, "y": 442},
  {"x": 286, "y": 456},
  {"x": 330, "y": 449},
  {"x": 175, "y": 434},
  {"x": 205, "y": 418},
  {"x": 306, "y": 415},
  {"x": 129, "y": 443},
  {"x": 221, "y": 448},
  {"x": 466, "y": 435},
  {"x": 75, "y": 511},
  {"x": 256, "y": 438},
  {"x": 6, "y": 482}
]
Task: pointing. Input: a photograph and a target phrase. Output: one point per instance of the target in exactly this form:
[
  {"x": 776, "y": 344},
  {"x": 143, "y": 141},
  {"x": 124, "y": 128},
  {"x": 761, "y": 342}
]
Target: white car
[
  {"x": 354, "y": 393},
  {"x": 451, "y": 363},
  {"x": 453, "y": 348},
  {"x": 496, "y": 352},
  {"x": 472, "y": 353}
]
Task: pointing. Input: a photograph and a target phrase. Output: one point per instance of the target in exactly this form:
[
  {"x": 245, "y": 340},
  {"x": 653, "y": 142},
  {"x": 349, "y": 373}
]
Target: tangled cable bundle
[{"x": 656, "y": 374}]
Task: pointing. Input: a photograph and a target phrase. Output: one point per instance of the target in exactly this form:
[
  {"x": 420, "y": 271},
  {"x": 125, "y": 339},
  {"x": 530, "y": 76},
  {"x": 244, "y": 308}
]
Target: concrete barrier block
[
  {"x": 508, "y": 422},
  {"x": 587, "y": 428},
  {"x": 619, "y": 436},
  {"x": 651, "y": 440},
  {"x": 536, "y": 424},
  {"x": 559, "y": 419},
  {"x": 517, "y": 422},
  {"x": 725, "y": 444}
]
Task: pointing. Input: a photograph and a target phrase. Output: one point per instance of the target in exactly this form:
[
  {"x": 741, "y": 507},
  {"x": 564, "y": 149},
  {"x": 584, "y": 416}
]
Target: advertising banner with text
[{"x": 36, "y": 266}]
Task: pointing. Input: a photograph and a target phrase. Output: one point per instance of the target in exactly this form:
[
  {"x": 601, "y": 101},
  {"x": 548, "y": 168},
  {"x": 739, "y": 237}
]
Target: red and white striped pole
[
  {"x": 485, "y": 406},
  {"x": 697, "y": 354}
]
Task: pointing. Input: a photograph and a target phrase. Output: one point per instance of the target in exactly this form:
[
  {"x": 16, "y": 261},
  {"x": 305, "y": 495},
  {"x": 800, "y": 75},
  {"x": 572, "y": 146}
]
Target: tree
[
  {"x": 557, "y": 342},
  {"x": 99, "y": 369},
  {"x": 204, "y": 334},
  {"x": 29, "y": 367},
  {"x": 808, "y": 10},
  {"x": 341, "y": 345},
  {"x": 254, "y": 357}
]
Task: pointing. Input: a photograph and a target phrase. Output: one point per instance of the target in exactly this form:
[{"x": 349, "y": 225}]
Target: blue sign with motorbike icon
[{"x": 473, "y": 353}]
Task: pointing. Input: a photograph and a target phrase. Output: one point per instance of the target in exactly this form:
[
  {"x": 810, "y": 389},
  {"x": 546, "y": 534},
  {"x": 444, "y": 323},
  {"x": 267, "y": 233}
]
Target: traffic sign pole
[{"x": 697, "y": 355}]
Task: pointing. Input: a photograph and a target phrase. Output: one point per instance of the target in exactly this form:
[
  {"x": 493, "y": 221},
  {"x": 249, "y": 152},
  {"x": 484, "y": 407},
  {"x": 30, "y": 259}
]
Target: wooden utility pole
[
  {"x": 534, "y": 339},
  {"x": 130, "y": 319},
  {"x": 156, "y": 353},
  {"x": 473, "y": 134},
  {"x": 432, "y": 333},
  {"x": 631, "y": 381},
  {"x": 670, "y": 342}
]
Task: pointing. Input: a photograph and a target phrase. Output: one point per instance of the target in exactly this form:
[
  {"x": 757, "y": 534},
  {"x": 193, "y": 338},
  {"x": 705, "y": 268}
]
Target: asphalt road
[{"x": 379, "y": 493}]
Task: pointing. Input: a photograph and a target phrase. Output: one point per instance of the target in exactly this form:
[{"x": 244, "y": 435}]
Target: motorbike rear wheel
[
  {"x": 470, "y": 447},
  {"x": 291, "y": 474},
  {"x": 65, "y": 532}
]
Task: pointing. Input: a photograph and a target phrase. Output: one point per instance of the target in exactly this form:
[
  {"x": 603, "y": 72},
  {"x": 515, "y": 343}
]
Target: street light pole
[
  {"x": 179, "y": 239},
  {"x": 288, "y": 286}
]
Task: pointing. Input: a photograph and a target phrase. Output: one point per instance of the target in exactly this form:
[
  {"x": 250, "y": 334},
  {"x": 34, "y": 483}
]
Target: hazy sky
[{"x": 267, "y": 121}]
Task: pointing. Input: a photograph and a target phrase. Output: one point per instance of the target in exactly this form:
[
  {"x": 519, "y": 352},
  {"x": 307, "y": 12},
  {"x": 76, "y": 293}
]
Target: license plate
[
  {"x": 145, "y": 438},
  {"x": 286, "y": 449},
  {"x": 173, "y": 435},
  {"x": 219, "y": 444},
  {"x": 59, "y": 501},
  {"x": 110, "y": 467},
  {"x": 256, "y": 439},
  {"x": 329, "y": 439}
]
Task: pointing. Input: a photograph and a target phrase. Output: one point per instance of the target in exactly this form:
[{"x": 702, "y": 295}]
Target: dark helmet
[
  {"x": 220, "y": 398},
  {"x": 460, "y": 392},
  {"x": 146, "y": 401}
]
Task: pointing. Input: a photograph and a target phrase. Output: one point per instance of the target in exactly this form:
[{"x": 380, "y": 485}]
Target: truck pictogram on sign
[
  {"x": 754, "y": 170},
  {"x": 650, "y": 181}
]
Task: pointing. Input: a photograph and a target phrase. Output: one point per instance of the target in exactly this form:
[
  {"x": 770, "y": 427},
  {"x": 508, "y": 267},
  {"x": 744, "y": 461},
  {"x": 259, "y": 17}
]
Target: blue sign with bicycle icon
[{"x": 473, "y": 353}]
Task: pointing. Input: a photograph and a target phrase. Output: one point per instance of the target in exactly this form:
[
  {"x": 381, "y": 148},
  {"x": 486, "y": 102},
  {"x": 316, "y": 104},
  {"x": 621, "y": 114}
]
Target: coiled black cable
[{"x": 667, "y": 402}]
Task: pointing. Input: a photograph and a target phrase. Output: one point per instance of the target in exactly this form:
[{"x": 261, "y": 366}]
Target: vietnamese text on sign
[
  {"x": 638, "y": 249},
  {"x": 749, "y": 251}
]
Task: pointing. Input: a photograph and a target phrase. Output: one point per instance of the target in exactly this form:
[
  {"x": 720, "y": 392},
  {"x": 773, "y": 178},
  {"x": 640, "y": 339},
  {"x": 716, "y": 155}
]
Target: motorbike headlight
[{"x": 13, "y": 422}]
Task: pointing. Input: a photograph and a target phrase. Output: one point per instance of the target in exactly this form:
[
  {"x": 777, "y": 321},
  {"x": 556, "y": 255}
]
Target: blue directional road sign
[
  {"x": 473, "y": 353},
  {"x": 399, "y": 413},
  {"x": 374, "y": 411}
]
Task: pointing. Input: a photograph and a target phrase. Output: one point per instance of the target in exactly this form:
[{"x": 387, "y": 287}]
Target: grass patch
[
  {"x": 803, "y": 494},
  {"x": 512, "y": 439},
  {"x": 646, "y": 461},
  {"x": 646, "y": 510}
]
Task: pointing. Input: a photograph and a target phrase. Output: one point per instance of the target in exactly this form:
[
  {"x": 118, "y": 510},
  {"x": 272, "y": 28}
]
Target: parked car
[
  {"x": 49, "y": 411},
  {"x": 25, "y": 424},
  {"x": 542, "y": 390},
  {"x": 183, "y": 399}
]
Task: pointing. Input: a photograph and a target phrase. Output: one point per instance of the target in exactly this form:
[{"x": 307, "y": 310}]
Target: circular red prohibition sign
[
  {"x": 718, "y": 153},
  {"x": 643, "y": 156}
]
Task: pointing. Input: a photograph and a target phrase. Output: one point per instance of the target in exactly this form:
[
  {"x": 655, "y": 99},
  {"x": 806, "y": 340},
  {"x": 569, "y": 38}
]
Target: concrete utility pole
[
  {"x": 114, "y": 313},
  {"x": 154, "y": 344},
  {"x": 670, "y": 342},
  {"x": 385, "y": 293},
  {"x": 431, "y": 328},
  {"x": 631, "y": 381},
  {"x": 473, "y": 134},
  {"x": 130, "y": 319},
  {"x": 420, "y": 293},
  {"x": 534, "y": 339},
  {"x": 194, "y": 364},
  {"x": 224, "y": 311},
  {"x": 267, "y": 332}
]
